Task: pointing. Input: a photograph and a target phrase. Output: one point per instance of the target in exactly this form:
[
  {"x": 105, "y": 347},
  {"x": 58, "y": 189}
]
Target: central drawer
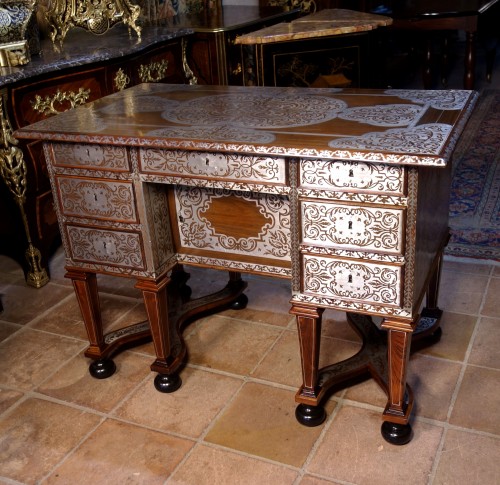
[{"x": 218, "y": 166}]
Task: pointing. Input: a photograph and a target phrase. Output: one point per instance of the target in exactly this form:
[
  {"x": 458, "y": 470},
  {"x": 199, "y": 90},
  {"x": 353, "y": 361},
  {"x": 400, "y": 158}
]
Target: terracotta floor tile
[
  {"x": 496, "y": 270},
  {"x": 187, "y": 411},
  {"x": 468, "y": 458},
  {"x": 227, "y": 344},
  {"x": 491, "y": 306},
  {"x": 335, "y": 325},
  {"x": 11, "y": 272},
  {"x": 73, "y": 383},
  {"x": 30, "y": 356},
  {"x": 470, "y": 267},
  {"x": 486, "y": 344},
  {"x": 209, "y": 466},
  {"x": 461, "y": 292},
  {"x": 457, "y": 331},
  {"x": 7, "y": 329},
  {"x": 17, "y": 311},
  {"x": 8, "y": 398},
  {"x": 478, "y": 400},
  {"x": 37, "y": 435},
  {"x": 261, "y": 421},
  {"x": 368, "y": 392},
  {"x": 133, "y": 455},
  {"x": 433, "y": 382},
  {"x": 309, "y": 480},
  {"x": 353, "y": 450}
]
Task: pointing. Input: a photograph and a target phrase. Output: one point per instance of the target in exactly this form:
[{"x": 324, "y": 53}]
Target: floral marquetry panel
[
  {"x": 97, "y": 199},
  {"x": 116, "y": 248},
  {"x": 97, "y": 157},
  {"x": 365, "y": 282},
  {"x": 352, "y": 227},
  {"x": 234, "y": 167},
  {"x": 233, "y": 224},
  {"x": 359, "y": 176}
]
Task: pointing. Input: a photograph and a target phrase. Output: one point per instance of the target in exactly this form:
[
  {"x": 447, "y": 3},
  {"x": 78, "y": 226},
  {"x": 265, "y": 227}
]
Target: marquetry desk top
[
  {"x": 324, "y": 23},
  {"x": 402, "y": 127}
]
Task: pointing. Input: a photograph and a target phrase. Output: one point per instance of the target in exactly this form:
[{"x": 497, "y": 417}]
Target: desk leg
[
  {"x": 169, "y": 348},
  {"x": 396, "y": 429},
  {"x": 86, "y": 291},
  {"x": 309, "y": 412}
]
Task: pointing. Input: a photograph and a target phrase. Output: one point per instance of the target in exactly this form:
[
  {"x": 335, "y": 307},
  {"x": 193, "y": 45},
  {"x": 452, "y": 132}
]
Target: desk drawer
[
  {"x": 100, "y": 246},
  {"x": 359, "y": 281},
  {"x": 361, "y": 228},
  {"x": 339, "y": 175},
  {"x": 218, "y": 166},
  {"x": 97, "y": 199},
  {"x": 92, "y": 157}
]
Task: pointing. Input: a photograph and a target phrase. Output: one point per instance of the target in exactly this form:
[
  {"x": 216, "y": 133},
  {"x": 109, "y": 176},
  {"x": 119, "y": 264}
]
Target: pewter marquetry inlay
[
  {"x": 353, "y": 227},
  {"x": 198, "y": 230},
  {"x": 256, "y": 110},
  {"x": 367, "y": 282},
  {"x": 91, "y": 156},
  {"x": 444, "y": 99},
  {"x": 429, "y": 138},
  {"x": 111, "y": 247},
  {"x": 338, "y": 175},
  {"x": 227, "y": 166},
  {"x": 384, "y": 114},
  {"x": 99, "y": 199}
]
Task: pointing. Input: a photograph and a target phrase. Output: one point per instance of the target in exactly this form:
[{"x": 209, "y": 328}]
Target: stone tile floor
[{"x": 232, "y": 421}]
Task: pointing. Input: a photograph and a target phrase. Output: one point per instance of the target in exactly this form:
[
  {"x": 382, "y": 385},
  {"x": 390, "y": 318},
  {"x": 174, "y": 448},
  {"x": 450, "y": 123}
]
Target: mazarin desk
[{"x": 343, "y": 192}]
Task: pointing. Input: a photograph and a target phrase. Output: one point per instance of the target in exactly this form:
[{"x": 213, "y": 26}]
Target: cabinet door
[{"x": 38, "y": 100}]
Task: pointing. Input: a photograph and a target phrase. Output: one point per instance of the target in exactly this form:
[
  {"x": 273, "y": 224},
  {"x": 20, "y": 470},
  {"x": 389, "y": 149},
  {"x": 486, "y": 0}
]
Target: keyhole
[
  {"x": 349, "y": 279},
  {"x": 207, "y": 162},
  {"x": 95, "y": 197},
  {"x": 349, "y": 224},
  {"x": 181, "y": 219},
  {"x": 88, "y": 152},
  {"x": 351, "y": 173},
  {"x": 104, "y": 244}
]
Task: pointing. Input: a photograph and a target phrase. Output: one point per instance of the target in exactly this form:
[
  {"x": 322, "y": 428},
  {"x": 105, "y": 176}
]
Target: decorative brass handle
[
  {"x": 121, "y": 80},
  {"x": 238, "y": 70},
  {"x": 47, "y": 107},
  {"x": 153, "y": 72}
]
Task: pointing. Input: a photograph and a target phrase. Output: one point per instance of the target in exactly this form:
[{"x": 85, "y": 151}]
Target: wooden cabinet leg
[
  {"x": 87, "y": 295},
  {"x": 309, "y": 412},
  {"x": 397, "y": 429},
  {"x": 169, "y": 348}
]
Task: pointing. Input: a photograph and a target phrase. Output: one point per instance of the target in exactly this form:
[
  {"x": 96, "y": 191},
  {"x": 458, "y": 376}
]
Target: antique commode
[{"x": 345, "y": 192}]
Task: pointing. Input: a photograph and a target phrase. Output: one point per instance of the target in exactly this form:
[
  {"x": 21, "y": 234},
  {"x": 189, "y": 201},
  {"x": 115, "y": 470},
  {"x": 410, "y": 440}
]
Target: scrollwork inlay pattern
[
  {"x": 204, "y": 164},
  {"x": 271, "y": 240},
  {"x": 111, "y": 247},
  {"x": 366, "y": 228},
  {"x": 99, "y": 199},
  {"x": 370, "y": 283},
  {"x": 342, "y": 175},
  {"x": 91, "y": 156}
]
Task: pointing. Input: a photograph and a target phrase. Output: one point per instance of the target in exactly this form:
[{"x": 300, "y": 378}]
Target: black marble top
[{"x": 81, "y": 47}]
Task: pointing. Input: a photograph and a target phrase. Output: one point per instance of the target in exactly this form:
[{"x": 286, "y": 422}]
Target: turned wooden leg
[
  {"x": 168, "y": 347},
  {"x": 309, "y": 412},
  {"x": 85, "y": 285},
  {"x": 396, "y": 428}
]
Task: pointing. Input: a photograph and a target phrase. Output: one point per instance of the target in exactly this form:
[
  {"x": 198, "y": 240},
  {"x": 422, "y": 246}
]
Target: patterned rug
[{"x": 475, "y": 200}]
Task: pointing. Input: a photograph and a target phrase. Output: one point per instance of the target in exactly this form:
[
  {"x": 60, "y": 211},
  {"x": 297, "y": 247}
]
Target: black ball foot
[
  {"x": 396, "y": 434},
  {"x": 102, "y": 369},
  {"x": 310, "y": 415},
  {"x": 240, "y": 303},
  {"x": 167, "y": 382}
]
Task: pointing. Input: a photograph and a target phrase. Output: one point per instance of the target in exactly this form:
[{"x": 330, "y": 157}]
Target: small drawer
[
  {"x": 354, "y": 281},
  {"x": 92, "y": 157},
  {"x": 337, "y": 175},
  {"x": 224, "y": 166},
  {"x": 360, "y": 228},
  {"x": 99, "y": 246},
  {"x": 98, "y": 199}
]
